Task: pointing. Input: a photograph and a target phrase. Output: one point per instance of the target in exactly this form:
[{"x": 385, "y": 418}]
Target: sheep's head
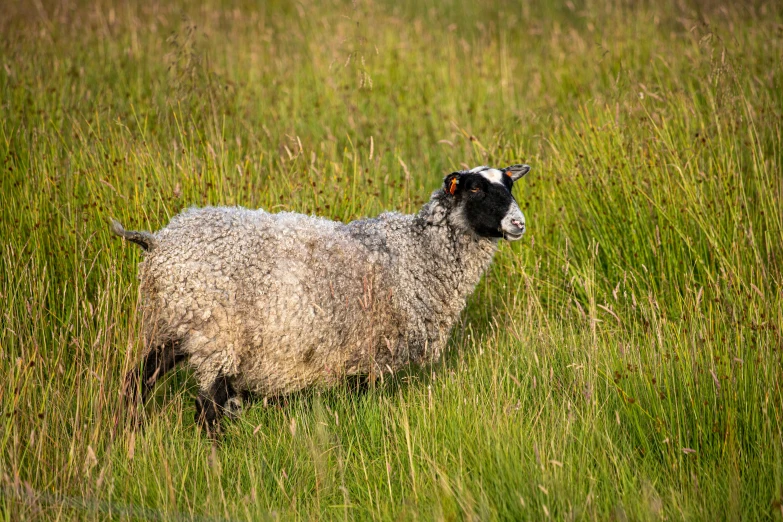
[{"x": 483, "y": 203}]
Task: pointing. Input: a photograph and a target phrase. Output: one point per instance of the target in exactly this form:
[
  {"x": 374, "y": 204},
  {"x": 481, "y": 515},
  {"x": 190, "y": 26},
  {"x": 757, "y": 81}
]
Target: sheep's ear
[
  {"x": 451, "y": 183},
  {"x": 516, "y": 171}
]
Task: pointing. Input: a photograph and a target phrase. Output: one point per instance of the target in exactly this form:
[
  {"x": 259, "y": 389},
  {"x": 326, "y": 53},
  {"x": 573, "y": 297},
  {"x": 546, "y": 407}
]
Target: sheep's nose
[
  {"x": 515, "y": 227},
  {"x": 519, "y": 224}
]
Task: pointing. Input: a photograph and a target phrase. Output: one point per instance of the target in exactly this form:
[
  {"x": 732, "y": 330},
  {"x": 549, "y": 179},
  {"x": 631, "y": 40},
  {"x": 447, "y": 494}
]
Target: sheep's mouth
[
  {"x": 513, "y": 230},
  {"x": 512, "y": 227}
]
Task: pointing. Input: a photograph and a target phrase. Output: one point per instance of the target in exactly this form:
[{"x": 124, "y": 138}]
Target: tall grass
[{"x": 623, "y": 361}]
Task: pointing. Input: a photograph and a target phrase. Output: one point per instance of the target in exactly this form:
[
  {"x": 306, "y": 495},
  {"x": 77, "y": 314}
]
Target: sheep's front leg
[{"x": 212, "y": 402}]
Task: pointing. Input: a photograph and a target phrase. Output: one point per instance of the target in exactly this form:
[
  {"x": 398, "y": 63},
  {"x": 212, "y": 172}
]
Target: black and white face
[{"x": 484, "y": 202}]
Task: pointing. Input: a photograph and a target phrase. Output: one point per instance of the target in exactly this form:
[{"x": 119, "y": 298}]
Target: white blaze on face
[{"x": 491, "y": 175}]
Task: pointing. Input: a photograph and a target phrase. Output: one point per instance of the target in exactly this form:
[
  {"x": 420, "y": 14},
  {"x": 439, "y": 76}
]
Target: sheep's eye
[{"x": 475, "y": 189}]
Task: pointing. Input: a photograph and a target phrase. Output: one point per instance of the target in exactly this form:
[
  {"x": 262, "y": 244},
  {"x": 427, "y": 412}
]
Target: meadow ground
[{"x": 623, "y": 361}]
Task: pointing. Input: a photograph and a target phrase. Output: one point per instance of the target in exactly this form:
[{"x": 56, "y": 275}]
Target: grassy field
[{"x": 624, "y": 361}]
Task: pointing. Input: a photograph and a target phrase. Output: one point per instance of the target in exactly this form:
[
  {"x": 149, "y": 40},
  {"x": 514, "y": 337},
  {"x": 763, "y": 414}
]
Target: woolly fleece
[{"x": 280, "y": 302}]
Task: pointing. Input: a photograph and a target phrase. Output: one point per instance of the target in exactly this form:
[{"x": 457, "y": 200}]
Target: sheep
[{"x": 267, "y": 304}]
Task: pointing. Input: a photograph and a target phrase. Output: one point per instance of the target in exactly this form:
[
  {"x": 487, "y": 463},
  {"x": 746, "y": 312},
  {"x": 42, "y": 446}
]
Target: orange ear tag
[{"x": 453, "y": 186}]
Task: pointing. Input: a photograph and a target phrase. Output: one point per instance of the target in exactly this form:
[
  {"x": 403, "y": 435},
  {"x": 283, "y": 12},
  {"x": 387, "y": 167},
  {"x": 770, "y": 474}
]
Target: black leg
[
  {"x": 158, "y": 361},
  {"x": 211, "y": 403}
]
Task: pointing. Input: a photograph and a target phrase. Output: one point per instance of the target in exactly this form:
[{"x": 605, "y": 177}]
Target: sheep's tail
[{"x": 144, "y": 239}]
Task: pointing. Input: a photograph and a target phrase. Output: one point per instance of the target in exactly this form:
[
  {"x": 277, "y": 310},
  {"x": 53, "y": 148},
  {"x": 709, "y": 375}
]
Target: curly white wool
[{"x": 279, "y": 302}]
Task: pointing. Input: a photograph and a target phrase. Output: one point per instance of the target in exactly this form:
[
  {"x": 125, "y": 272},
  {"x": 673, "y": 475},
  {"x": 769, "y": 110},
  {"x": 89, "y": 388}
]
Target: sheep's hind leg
[
  {"x": 215, "y": 401},
  {"x": 157, "y": 362}
]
